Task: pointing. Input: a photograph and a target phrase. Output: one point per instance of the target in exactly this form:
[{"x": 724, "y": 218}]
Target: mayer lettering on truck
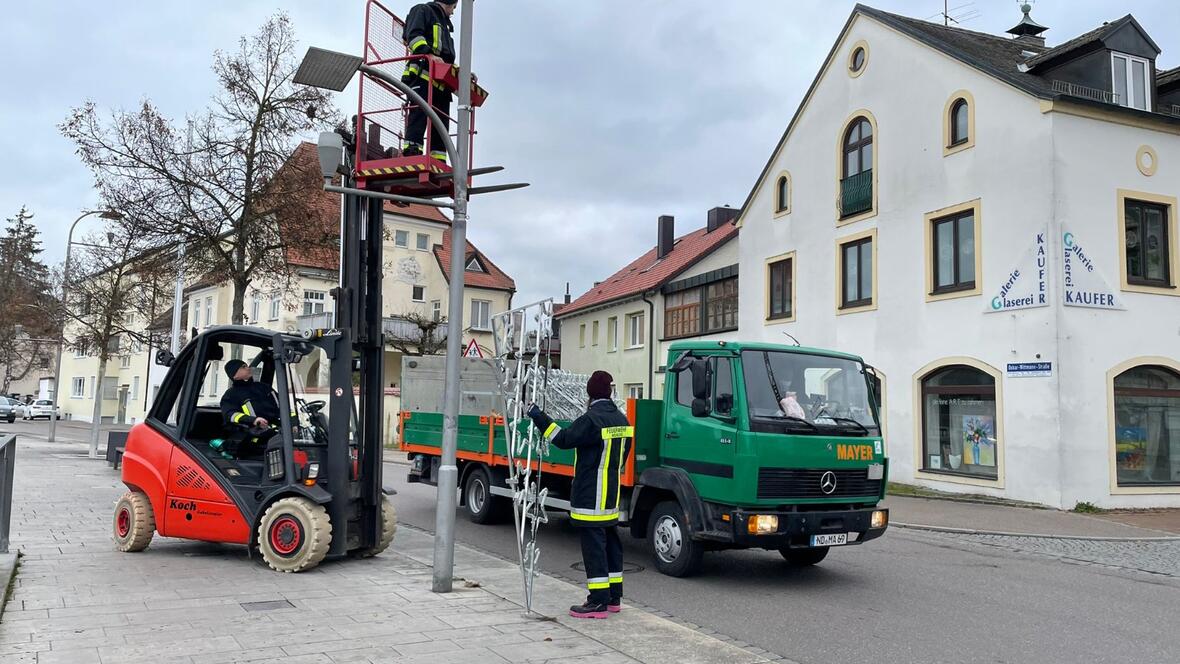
[{"x": 752, "y": 446}]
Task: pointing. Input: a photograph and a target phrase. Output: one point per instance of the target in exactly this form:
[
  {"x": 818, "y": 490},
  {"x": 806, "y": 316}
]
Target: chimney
[
  {"x": 567, "y": 292},
  {"x": 718, "y": 217},
  {"x": 1028, "y": 31},
  {"x": 665, "y": 235}
]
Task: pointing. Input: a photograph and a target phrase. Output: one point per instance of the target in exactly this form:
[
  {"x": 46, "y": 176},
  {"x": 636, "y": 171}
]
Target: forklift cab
[{"x": 293, "y": 489}]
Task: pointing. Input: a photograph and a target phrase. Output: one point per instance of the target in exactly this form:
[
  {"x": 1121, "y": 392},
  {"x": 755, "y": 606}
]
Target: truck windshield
[{"x": 818, "y": 393}]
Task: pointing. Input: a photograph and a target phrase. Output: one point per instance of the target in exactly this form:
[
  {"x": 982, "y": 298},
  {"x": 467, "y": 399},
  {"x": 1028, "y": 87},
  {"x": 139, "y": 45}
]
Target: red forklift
[{"x": 306, "y": 488}]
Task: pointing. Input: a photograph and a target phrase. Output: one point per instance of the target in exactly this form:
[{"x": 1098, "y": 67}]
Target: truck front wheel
[
  {"x": 804, "y": 557},
  {"x": 674, "y": 550}
]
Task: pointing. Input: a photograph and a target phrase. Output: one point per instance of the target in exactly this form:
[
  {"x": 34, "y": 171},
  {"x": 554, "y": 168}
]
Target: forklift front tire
[
  {"x": 134, "y": 522},
  {"x": 294, "y": 534},
  {"x": 388, "y": 528}
]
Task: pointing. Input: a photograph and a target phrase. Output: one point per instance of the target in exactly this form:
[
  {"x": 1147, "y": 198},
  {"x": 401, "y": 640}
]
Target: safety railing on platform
[{"x": 7, "y": 466}]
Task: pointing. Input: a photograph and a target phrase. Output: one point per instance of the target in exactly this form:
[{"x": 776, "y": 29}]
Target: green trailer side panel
[{"x": 649, "y": 433}]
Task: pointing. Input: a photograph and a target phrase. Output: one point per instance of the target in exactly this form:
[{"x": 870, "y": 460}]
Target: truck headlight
[
  {"x": 880, "y": 519},
  {"x": 762, "y": 524}
]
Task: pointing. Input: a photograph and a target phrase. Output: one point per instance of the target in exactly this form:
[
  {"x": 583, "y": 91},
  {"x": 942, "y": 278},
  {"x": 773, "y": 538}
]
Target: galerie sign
[
  {"x": 1027, "y": 285},
  {"x": 1083, "y": 284}
]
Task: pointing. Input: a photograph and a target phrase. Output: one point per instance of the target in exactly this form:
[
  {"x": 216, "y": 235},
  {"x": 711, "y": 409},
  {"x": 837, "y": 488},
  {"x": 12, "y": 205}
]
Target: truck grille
[{"x": 790, "y": 483}]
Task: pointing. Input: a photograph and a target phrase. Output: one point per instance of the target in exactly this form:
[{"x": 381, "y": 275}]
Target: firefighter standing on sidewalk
[
  {"x": 428, "y": 32},
  {"x": 601, "y": 439}
]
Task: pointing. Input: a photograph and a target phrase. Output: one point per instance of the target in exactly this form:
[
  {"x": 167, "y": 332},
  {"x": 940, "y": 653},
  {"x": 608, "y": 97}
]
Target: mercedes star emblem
[{"x": 827, "y": 482}]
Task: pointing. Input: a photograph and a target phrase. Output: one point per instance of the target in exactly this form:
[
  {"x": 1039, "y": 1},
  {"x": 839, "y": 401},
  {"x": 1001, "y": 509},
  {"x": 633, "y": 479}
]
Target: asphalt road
[{"x": 906, "y": 597}]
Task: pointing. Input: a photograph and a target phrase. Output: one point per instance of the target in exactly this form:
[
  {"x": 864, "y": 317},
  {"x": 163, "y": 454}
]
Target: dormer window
[
  {"x": 1131, "y": 76},
  {"x": 473, "y": 264}
]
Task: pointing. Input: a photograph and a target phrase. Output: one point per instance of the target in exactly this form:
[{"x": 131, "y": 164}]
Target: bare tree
[
  {"x": 415, "y": 334},
  {"x": 226, "y": 185},
  {"x": 115, "y": 290},
  {"x": 28, "y": 303}
]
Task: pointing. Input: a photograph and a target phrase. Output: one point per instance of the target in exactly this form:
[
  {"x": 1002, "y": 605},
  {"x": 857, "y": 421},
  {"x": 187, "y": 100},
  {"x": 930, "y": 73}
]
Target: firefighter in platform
[
  {"x": 428, "y": 32},
  {"x": 601, "y": 440}
]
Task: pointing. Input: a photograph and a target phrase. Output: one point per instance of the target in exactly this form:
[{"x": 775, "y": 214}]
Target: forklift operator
[{"x": 246, "y": 402}]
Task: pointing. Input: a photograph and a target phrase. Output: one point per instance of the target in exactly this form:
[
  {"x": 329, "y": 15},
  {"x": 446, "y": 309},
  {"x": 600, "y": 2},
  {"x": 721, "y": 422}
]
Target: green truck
[{"x": 754, "y": 445}]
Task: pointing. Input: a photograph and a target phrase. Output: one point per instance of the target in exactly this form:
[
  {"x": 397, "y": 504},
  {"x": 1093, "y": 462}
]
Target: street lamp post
[{"x": 65, "y": 280}]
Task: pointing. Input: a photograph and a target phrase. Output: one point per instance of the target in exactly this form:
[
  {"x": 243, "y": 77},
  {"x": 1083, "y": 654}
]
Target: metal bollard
[{"x": 7, "y": 466}]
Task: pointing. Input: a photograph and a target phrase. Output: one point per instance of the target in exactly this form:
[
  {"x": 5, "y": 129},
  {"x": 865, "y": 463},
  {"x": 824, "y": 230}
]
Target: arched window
[
  {"x": 782, "y": 194},
  {"x": 856, "y": 184},
  {"x": 959, "y": 422},
  {"x": 1147, "y": 426},
  {"x": 959, "y": 122}
]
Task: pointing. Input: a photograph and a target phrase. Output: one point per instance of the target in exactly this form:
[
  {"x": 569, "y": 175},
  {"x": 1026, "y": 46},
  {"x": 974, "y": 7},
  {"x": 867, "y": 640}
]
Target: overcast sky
[{"x": 616, "y": 111}]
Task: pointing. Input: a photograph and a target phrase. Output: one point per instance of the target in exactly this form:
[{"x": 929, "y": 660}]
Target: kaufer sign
[
  {"x": 1027, "y": 285},
  {"x": 1083, "y": 284}
]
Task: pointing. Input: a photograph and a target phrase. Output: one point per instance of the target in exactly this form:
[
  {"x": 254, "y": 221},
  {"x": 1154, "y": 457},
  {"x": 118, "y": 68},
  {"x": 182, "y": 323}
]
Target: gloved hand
[
  {"x": 538, "y": 416},
  {"x": 533, "y": 411}
]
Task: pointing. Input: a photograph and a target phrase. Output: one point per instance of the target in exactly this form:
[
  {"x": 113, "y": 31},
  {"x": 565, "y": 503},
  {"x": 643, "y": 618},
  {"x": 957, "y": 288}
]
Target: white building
[
  {"x": 684, "y": 287},
  {"x": 991, "y": 223}
]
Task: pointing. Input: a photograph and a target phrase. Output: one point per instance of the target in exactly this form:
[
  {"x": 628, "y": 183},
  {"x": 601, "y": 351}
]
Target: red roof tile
[
  {"x": 494, "y": 278},
  {"x": 646, "y": 273}
]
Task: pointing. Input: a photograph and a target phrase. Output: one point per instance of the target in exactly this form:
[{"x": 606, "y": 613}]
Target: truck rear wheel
[
  {"x": 482, "y": 506},
  {"x": 804, "y": 557},
  {"x": 294, "y": 534},
  {"x": 134, "y": 523},
  {"x": 676, "y": 553}
]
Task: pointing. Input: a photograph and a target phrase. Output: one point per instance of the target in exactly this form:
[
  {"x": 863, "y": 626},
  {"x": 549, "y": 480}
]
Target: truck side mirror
[
  {"x": 700, "y": 379},
  {"x": 164, "y": 357},
  {"x": 700, "y": 407}
]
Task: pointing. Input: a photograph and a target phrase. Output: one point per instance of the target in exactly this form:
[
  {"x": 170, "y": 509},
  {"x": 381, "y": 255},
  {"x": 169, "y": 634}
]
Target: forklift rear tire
[
  {"x": 675, "y": 552},
  {"x": 804, "y": 557},
  {"x": 482, "y": 506},
  {"x": 388, "y": 528},
  {"x": 294, "y": 534},
  {"x": 134, "y": 523}
]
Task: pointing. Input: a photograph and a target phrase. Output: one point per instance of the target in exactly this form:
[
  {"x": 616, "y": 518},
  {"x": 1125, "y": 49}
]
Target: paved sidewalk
[
  {"x": 966, "y": 516},
  {"x": 77, "y": 600}
]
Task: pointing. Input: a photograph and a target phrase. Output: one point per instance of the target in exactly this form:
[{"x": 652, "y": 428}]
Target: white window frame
[
  {"x": 255, "y": 309},
  {"x": 1126, "y": 98},
  {"x": 125, "y": 361},
  {"x": 421, "y": 292},
  {"x": 481, "y": 323},
  {"x": 594, "y": 333},
  {"x": 313, "y": 299},
  {"x": 422, "y": 242},
  {"x": 436, "y": 310},
  {"x": 196, "y": 317},
  {"x": 275, "y": 302},
  {"x": 79, "y": 351},
  {"x": 634, "y": 335},
  {"x": 612, "y": 334},
  {"x": 634, "y": 390},
  {"x": 582, "y": 335},
  {"x": 78, "y": 387},
  {"x": 135, "y": 388},
  {"x": 401, "y": 239},
  {"x": 209, "y": 311}
]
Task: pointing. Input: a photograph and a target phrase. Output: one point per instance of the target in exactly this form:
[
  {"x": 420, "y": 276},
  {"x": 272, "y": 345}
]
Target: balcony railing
[
  {"x": 406, "y": 330},
  {"x": 320, "y": 321},
  {"x": 1084, "y": 92},
  {"x": 856, "y": 193}
]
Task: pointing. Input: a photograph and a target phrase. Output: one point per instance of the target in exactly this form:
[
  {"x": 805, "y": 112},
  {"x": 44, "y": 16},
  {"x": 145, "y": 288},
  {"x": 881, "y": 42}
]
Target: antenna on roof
[{"x": 966, "y": 12}]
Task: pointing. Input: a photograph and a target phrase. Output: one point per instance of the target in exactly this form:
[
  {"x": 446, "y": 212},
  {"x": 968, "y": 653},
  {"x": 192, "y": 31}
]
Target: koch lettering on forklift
[{"x": 186, "y": 505}]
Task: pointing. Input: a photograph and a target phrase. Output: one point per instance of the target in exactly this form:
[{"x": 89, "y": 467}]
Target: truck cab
[{"x": 759, "y": 445}]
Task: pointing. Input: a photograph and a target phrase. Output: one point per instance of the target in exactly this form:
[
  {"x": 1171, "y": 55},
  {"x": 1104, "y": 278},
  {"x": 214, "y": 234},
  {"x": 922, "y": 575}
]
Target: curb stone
[{"x": 996, "y": 533}]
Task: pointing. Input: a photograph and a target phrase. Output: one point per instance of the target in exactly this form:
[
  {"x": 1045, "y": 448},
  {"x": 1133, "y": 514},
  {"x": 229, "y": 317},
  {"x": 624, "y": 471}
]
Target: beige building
[
  {"x": 417, "y": 260},
  {"x": 685, "y": 287}
]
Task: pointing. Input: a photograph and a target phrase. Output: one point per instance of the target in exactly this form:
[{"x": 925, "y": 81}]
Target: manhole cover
[
  {"x": 628, "y": 568},
  {"x": 267, "y": 606}
]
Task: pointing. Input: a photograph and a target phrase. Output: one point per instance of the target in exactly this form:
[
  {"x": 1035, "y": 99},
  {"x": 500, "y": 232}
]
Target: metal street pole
[
  {"x": 177, "y": 298},
  {"x": 444, "y": 522},
  {"x": 61, "y": 344}
]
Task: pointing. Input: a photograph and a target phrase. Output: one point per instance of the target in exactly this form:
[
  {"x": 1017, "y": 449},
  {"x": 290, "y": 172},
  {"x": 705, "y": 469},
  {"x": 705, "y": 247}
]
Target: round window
[{"x": 857, "y": 62}]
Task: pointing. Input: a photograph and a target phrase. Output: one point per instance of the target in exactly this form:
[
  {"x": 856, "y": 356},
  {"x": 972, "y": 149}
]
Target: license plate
[{"x": 829, "y": 540}]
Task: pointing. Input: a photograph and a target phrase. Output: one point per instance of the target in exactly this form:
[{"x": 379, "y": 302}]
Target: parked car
[
  {"x": 42, "y": 408},
  {"x": 8, "y": 409}
]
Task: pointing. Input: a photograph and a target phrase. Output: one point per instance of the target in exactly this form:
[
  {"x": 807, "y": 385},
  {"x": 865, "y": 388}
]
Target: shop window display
[
  {"x": 959, "y": 422},
  {"x": 1147, "y": 426}
]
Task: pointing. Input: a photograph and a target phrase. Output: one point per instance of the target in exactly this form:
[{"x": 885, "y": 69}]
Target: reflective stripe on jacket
[{"x": 428, "y": 31}]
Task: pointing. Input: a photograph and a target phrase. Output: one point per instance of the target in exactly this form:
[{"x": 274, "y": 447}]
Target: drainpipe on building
[{"x": 651, "y": 340}]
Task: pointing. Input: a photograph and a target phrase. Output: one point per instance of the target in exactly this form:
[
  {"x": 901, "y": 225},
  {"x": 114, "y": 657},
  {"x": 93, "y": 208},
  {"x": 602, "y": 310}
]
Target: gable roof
[
  {"x": 1097, "y": 35},
  {"x": 493, "y": 279},
  {"x": 648, "y": 273},
  {"x": 1003, "y": 58}
]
